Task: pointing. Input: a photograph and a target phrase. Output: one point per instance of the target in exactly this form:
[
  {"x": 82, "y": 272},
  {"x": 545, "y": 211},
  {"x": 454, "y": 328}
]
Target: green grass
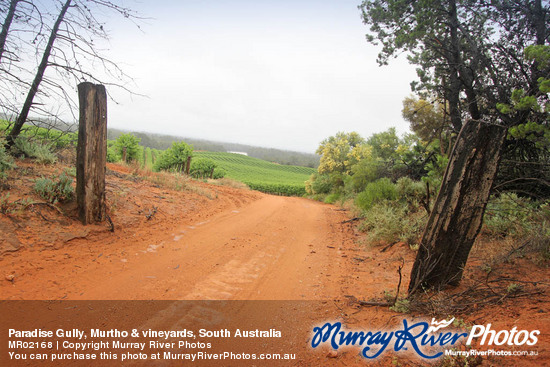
[{"x": 261, "y": 175}]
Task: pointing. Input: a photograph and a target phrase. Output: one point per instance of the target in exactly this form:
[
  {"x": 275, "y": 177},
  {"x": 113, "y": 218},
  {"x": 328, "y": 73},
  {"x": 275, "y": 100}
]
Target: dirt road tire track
[{"x": 274, "y": 248}]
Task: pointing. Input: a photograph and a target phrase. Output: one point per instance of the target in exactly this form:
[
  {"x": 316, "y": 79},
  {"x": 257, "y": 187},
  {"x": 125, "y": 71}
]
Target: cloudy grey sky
[{"x": 282, "y": 74}]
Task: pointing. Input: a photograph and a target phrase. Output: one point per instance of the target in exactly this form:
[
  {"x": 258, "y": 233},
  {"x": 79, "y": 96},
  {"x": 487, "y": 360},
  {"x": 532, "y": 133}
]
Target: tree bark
[
  {"x": 188, "y": 166},
  {"x": 456, "y": 218},
  {"x": 24, "y": 114},
  {"x": 6, "y": 26},
  {"x": 91, "y": 153},
  {"x": 454, "y": 60}
]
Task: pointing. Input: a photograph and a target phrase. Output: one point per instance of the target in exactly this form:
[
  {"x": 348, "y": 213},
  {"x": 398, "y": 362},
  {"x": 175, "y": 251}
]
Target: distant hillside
[
  {"x": 158, "y": 141},
  {"x": 261, "y": 175}
]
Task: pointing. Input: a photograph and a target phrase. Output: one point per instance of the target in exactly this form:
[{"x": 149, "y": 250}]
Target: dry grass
[
  {"x": 175, "y": 181},
  {"x": 228, "y": 182}
]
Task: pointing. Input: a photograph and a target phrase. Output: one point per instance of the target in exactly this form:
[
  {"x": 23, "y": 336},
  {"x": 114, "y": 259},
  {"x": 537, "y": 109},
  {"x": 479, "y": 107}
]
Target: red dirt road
[{"x": 274, "y": 248}]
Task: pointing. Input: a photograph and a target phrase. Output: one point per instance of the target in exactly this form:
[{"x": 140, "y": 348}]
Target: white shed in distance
[{"x": 241, "y": 153}]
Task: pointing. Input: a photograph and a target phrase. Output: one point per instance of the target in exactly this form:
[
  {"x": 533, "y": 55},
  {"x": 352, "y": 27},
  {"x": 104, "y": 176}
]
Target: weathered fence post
[
  {"x": 91, "y": 153},
  {"x": 188, "y": 165}
]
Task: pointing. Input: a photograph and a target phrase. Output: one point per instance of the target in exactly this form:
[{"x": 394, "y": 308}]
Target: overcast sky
[{"x": 283, "y": 74}]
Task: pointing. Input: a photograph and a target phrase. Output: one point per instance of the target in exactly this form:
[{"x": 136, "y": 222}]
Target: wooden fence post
[
  {"x": 188, "y": 165},
  {"x": 91, "y": 153}
]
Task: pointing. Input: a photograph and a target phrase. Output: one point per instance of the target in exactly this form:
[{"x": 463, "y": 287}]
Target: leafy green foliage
[
  {"x": 127, "y": 145},
  {"x": 509, "y": 215},
  {"x": 340, "y": 152},
  {"x": 540, "y": 54},
  {"x": 392, "y": 221},
  {"x": 219, "y": 173},
  {"x": 412, "y": 192},
  {"x": 512, "y": 219},
  {"x": 148, "y": 159},
  {"x": 318, "y": 184},
  {"x": 6, "y": 207},
  {"x": 332, "y": 198},
  {"x": 278, "y": 189},
  {"x": 202, "y": 168},
  {"x": 532, "y": 131},
  {"x": 6, "y": 161},
  {"x": 365, "y": 171},
  {"x": 33, "y": 149},
  {"x": 55, "y": 189},
  {"x": 52, "y": 137},
  {"x": 427, "y": 119},
  {"x": 376, "y": 192},
  {"x": 526, "y": 161},
  {"x": 385, "y": 145},
  {"x": 112, "y": 155},
  {"x": 174, "y": 158}
]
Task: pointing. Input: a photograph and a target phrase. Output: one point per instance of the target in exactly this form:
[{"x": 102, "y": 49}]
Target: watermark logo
[
  {"x": 502, "y": 337},
  {"x": 420, "y": 337},
  {"x": 439, "y": 325}
]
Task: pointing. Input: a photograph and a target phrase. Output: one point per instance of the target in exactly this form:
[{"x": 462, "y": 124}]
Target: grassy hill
[{"x": 261, "y": 175}]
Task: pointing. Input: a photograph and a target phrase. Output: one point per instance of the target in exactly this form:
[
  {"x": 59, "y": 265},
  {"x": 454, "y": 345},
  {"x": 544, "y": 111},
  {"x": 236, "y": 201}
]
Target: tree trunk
[
  {"x": 458, "y": 211},
  {"x": 6, "y": 26},
  {"x": 91, "y": 153},
  {"x": 24, "y": 114},
  {"x": 453, "y": 60}
]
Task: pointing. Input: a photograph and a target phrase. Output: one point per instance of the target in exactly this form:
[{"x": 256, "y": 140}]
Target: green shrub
[
  {"x": 508, "y": 215},
  {"x": 367, "y": 170},
  {"x": 112, "y": 155},
  {"x": 411, "y": 192},
  {"x": 6, "y": 161},
  {"x": 53, "y": 137},
  {"x": 174, "y": 158},
  {"x": 332, "y": 198},
  {"x": 391, "y": 222},
  {"x": 318, "y": 184},
  {"x": 148, "y": 159},
  {"x": 219, "y": 173},
  {"x": 202, "y": 168},
  {"x": 519, "y": 219},
  {"x": 70, "y": 171},
  {"x": 376, "y": 192},
  {"x": 407, "y": 188},
  {"x": 128, "y": 144},
  {"x": 5, "y": 206},
  {"x": 277, "y": 189},
  {"x": 56, "y": 189},
  {"x": 33, "y": 149}
]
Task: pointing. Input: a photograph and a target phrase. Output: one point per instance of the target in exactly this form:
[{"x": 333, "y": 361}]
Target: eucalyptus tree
[{"x": 470, "y": 54}]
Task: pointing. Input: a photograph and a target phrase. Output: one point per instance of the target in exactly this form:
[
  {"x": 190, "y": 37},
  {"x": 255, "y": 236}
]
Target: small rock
[
  {"x": 10, "y": 277},
  {"x": 332, "y": 354}
]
